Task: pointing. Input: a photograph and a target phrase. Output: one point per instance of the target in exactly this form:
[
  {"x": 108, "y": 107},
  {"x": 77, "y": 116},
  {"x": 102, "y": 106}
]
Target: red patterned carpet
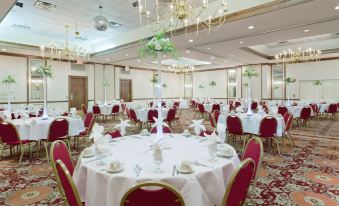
[{"x": 307, "y": 174}]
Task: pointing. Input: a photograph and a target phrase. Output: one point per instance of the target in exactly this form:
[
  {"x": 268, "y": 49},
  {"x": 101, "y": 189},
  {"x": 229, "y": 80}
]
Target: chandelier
[
  {"x": 181, "y": 69},
  {"x": 100, "y": 22},
  {"x": 297, "y": 56},
  {"x": 66, "y": 51},
  {"x": 181, "y": 15}
]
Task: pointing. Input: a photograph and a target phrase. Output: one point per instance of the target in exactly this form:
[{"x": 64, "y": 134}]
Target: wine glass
[{"x": 212, "y": 151}]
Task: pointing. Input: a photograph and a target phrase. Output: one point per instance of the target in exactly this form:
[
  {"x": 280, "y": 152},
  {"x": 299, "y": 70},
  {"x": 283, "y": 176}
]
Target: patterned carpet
[{"x": 307, "y": 174}]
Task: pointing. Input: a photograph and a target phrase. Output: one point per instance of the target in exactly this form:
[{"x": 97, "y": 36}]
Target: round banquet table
[
  {"x": 204, "y": 187},
  {"x": 37, "y": 129},
  {"x": 323, "y": 107},
  {"x": 296, "y": 111},
  {"x": 142, "y": 114},
  {"x": 251, "y": 124}
]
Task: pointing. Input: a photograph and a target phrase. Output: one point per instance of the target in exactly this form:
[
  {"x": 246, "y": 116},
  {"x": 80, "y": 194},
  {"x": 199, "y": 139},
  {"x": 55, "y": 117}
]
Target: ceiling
[{"x": 233, "y": 44}]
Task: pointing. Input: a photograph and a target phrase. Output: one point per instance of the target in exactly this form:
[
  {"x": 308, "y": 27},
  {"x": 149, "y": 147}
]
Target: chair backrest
[
  {"x": 212, "y": 120},
  {"x": 201, "y": 108},
  {"x": 268, "y": 127},
  {"x": 305, "y": 113},
  {"x": 123, "y": 107},
  {"x": 216, "y": 115},
  {"x": 139, "y": 195},
  {"x": 237, "y": 104},
  {"x": 60, "y": 151},
  {"x": 133, "y": 115},
  {"x": 8, "y": 132},
  {"x": 315, "y": 108},
  {"x": 254, "y": 150},
  {"x": 152, "y": 113},
  {"x": 254, "y": 105},
  {"x": 332, "y": 108},
  {"x": 165, "y": 130},
  {"x": 239, "y": 183},
  {"x": 216, "y": 107},
  {"x": 282, "y": 110},
  {"x": 84, "y": 109},
  {"x": 151, "y": 104},
  {"x": 115, "y": 109},
  {"x": 176, "y": 104},
  {"x": 115, "y": 134},
  {"x": 234, "y": 125},
  {"x": 171, "y": 114},
  {"x": 128, "y": 113},
  {"x": 67, "y": 183},
  {"x": 58, "y": 129},
  {"x": 88, "y": 119},
  {"x": 96, "y": 109},
  {"x": 288, "y": 121}
]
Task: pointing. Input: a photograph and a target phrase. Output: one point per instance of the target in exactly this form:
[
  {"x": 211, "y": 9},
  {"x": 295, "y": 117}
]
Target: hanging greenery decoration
[
  {"x": 9, "y": 80},
  {"x": 317, "y": 83},
  {"x": 45, "y": 71},
  {"x": 212, "y": 83}
]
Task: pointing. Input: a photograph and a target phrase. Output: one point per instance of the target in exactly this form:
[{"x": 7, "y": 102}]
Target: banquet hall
[{"x": 169, "y": 102}]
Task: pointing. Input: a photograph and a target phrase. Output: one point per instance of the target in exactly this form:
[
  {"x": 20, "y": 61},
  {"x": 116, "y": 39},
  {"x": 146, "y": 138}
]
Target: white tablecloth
[
  {"x": 39, "y": 130},
  {"x": 296, "y": 110},
  {"x": 208, "y": 107},
  {"x": 183, "y": 104},
  {"x": 142, "y": 114},
  {"x": 323, "y": 107},
  {"x": 251, "y": 124},
  {"x": 205, "y": 187}
]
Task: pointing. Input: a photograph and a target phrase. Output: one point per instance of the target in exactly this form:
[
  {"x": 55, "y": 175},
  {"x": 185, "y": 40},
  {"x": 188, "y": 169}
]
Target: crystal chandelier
[
  {"x": 297, "y": 56},
  {"x": 100, "y": 22},
  {"x": 181, "y": 15},
  {"x": 181, "y": 69},
  {"x": 66, "y": 51}
]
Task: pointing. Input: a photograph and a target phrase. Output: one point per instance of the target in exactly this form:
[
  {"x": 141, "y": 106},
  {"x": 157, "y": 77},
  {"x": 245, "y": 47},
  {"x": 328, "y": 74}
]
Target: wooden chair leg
[
  {"x": 46, "y": 150},
  {"x": 22, "y": 153},
  {"x": 276, "y": 140}
]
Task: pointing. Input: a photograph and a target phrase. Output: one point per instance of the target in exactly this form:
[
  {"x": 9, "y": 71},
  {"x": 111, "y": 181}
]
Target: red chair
[
  {"x": 171, "y": 117},
  {"x": 176, "y": 104},
  {"x": 134, "y": 119},
  {"x": 234, "y": 128},
  {"x": 97, "y": 111},
  {"x": 114, "y": 134},
  {"x": 212, "y": 120},
  {"x": 9, "y": 138},
  {"x": 216, "y": 107},
  {"x": 268, "y": 129},
  {"x": 71, "y": 193},
  {"x": 282, "y": 110},
  {"x": 151, "y": 114},
  {"x": 60, "y": 151},
  {"x": 151, "y": 104},
  {"x": 265, "y": 108},
  {"x": 58, "y": 130},
  {"x": 239, "y": 183},
  {"x": 115, "y": 110},
  {"x": 123, "y": 107},
  {"x": 332, "y": 110},
  {"x": 202, "y": 110},
  {"x": 237, "y": 104},
  {"x": 216, "y": 115},
  {"x": 305, "y": 115},
  {"x": 89, "y": 121},
  {"x": 84, "y": 109},
  {"x": 315, "y": 110},
  {"x": 288, "y": 119},
  {"x": 255, "y": 151},
  {"x": 140, "y": 195},
  {"x": 254, "y": 105},
  {"x": 165, "y": 130}
]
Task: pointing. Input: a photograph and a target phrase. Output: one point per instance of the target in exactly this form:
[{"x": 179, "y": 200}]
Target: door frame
[
  {"x": 130, "y": 86},
  {"x": 70, "y": 77}
]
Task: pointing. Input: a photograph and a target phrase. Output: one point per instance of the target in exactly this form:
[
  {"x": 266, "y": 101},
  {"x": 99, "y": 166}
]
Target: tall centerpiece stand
[
  {"x": 46, "y": 72},
  {"x": 8, "y": 81},
  {"x": 288, "y": 81},
  {"x": 317, "y": 84},
  {"x": 105, "y": 85},
  {"x": 157, "y": 47},
  {"x": 249, "y": 73}
]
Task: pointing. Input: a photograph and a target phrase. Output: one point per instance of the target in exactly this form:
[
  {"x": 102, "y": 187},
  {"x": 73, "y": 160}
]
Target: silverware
[{"x": 202, "y": 165}]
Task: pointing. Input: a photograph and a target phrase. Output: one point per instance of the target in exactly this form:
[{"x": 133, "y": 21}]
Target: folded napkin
[
  {"x": 97, "y": 132},
  {"x": 122, "y": 126},
  {"x": 198, "y": 126}
]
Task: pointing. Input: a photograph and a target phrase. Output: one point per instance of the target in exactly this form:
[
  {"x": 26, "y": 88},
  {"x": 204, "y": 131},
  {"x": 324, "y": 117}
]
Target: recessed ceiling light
[
  {"x": 337, "y": 7},
  {"x": 188, "y": 51},
  {"x": 241, "y": 42},
  {"x": 3, "y": 50},
  {"x": 126, "y": 55},
  {"x": 225, "y": 60},
  {"x": 250, "y": 27},
  {"x": 231, "y": 55},
  {"x": 212, "y": 57},
  {"x": 208, "y": 48},
  {"x": 107, "y": 59},
  {"x": 138, "y": 60},
  {"x": 191, "y": 40},
  {"x": 306, "y": 30}
]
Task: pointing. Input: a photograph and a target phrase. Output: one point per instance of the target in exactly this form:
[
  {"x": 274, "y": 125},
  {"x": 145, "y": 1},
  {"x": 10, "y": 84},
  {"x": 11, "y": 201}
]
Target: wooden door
[
  {"x": 77, "y": 89},
  {"x": 126, "y": 90}
]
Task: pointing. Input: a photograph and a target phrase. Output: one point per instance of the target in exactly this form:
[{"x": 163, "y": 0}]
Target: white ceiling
[{"x": 221, "y": 48}]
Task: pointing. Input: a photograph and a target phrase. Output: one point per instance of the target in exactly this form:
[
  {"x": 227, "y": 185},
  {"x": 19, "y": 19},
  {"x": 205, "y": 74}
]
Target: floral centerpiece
[
  {"x": 46, "y": 72},
  {"x": 317, "y": 83},
  {"x": 289, "y": 80},
  {"x": 212, "y": 83},
  {"x": 164, "y": 85},
  {"x": 8, "y": 81},
  {"x": 249, "y": 73},
  {"x": 158, "y": 46}
]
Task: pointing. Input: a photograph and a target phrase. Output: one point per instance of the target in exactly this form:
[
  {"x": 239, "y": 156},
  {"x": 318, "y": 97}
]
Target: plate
[
  {"x": 228, "y": 154},
  {"x": 145, "y": 134},
  {"x": 115, "y": 171},
  {"x": 88, "y": 156},
  {"x": 184, "y": 171}
]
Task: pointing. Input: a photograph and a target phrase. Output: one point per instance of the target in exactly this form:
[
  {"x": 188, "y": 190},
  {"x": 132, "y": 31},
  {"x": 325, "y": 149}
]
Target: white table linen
[
  {"x": 205, "y": 187},
  {"x": 251, "y": 124},
  {"x": 37, "y": 129},
  {"x": 142, "y": 114}
]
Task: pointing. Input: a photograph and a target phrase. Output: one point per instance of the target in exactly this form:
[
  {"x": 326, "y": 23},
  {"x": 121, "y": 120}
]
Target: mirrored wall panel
[
  {"x": 35, "y": 80},
  {"x": 188, "y": 86},
  {"x": 266, "y": 81},
  {"x": 231, "y": 83},
  {"x": 277, "y": 82}
]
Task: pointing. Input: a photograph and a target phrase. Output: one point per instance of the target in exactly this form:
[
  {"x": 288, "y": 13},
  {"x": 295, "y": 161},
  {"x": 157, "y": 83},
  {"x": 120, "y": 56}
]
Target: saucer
[
  {"x": 184, "y": 171},
  {"x": 88, "y": 155},
  {"x": 120, "y": 169},
  {"x": 145, "y": 134},
  {"x": 225, "y": 153}
]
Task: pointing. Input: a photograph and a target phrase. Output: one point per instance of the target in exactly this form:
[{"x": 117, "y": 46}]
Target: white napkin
[
  {"x": 122, "y": 126},
  {"x": 161, "y": 121},
  {"x": 198, "y": 126},
  {"x": 97, "y": 132}
]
